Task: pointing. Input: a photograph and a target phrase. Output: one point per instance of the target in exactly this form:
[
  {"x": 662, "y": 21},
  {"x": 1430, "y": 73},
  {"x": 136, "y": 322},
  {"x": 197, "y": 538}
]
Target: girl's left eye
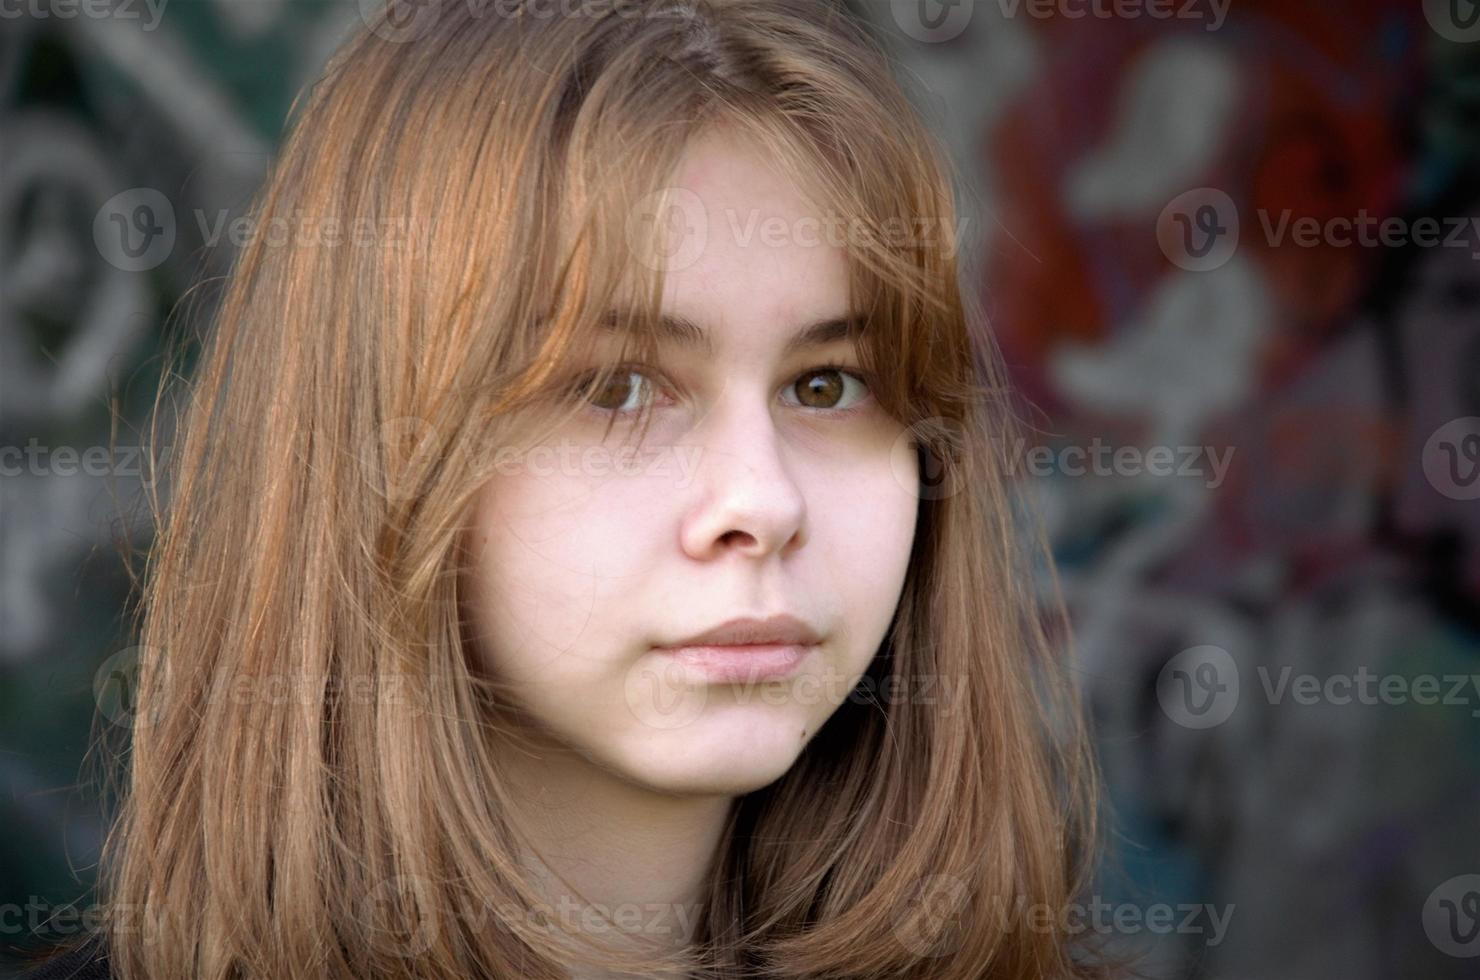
[{"x": 828, "y": 388}]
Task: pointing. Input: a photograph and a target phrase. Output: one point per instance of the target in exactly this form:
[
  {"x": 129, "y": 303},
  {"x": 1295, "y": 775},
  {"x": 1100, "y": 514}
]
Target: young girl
[{"x": 590, "y": 551}]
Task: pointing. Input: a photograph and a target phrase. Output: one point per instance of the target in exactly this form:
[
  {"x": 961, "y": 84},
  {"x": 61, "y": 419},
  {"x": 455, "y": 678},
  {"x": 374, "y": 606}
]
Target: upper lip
[{"x": 749, "y": 631}]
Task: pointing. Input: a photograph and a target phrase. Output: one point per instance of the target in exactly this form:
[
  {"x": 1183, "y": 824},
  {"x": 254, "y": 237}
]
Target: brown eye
[
  {"x": 619, "y": 393},
  {"x": 826, "y": 388}
]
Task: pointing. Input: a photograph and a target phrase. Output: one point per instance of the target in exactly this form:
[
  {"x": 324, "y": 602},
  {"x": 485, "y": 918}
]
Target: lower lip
[{"x": 741, "y": 664}]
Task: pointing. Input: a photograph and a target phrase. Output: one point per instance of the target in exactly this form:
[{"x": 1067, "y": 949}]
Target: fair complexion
[{"x": 787, "y": 490}]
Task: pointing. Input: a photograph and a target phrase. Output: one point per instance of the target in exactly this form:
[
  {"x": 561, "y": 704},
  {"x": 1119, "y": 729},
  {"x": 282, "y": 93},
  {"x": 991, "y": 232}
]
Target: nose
[{"x": 747, "y": 502}]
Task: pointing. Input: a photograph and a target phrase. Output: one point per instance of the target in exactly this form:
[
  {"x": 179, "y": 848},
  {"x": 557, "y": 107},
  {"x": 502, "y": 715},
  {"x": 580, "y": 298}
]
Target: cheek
[
  {"x": 863, "y": 525},
  {"x": 554, "y": 559}
]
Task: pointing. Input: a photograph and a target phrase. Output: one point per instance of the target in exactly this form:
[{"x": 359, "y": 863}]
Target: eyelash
[{"x": 656, "y": 376}]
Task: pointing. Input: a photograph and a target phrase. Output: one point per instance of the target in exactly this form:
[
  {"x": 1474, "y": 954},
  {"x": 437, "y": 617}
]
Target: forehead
[{"x": 753, "y": 260}]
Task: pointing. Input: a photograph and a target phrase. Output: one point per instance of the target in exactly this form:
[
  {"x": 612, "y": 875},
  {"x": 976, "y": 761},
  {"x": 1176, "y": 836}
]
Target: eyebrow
[{"x": 686, "y": 333}]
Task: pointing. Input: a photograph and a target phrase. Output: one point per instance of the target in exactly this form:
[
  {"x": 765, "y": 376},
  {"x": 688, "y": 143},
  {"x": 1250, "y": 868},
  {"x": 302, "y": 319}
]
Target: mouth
[
  {"x": 751, "y": 663},
  {"x": 748, "y": 649}
]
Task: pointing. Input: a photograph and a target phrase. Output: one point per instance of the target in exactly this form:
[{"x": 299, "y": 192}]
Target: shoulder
[{"x": 87, "y": 962}]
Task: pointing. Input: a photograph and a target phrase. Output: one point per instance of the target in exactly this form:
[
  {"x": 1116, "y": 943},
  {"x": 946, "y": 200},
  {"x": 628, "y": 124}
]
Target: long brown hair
[{"x": 352, "y": 822}]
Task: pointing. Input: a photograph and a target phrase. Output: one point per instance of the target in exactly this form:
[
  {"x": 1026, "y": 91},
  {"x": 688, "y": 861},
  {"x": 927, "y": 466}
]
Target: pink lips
[
  {"x": 747, "y": 649},
  {"x": 740, "y": 664}
]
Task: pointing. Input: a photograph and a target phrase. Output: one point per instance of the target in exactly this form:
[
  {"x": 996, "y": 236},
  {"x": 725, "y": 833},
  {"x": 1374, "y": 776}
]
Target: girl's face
[{"x": 770, "y": 483}]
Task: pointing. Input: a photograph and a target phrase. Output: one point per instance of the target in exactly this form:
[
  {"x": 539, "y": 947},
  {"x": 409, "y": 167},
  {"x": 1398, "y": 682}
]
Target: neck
[{"x": 640, "y": 857}]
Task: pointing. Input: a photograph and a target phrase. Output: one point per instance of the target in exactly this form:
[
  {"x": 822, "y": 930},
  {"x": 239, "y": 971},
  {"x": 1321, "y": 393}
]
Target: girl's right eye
[{"x": 620, "y": 394}]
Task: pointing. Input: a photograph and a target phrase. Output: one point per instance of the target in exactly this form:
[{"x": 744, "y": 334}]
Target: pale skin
[{"x": 800, "y": 499}]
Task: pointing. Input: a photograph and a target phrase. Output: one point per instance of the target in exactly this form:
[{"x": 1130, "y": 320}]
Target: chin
[{"x": 717, "y": 756}]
